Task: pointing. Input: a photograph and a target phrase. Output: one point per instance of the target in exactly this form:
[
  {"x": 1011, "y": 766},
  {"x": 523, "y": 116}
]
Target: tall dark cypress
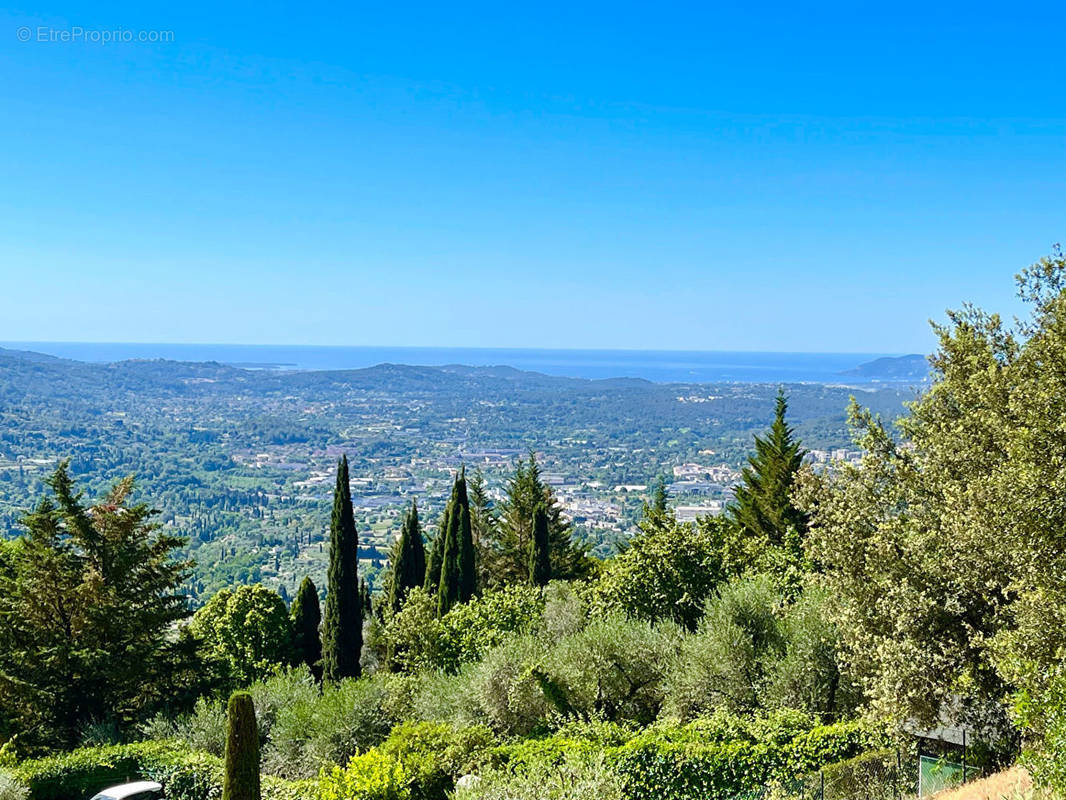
[
  {"x": 409, "y": 567},
  {"x": 365, "y": 599},
  {"x": 458, "y": 576},
  {"x": 342, "y": 631},
  {"x": 306, "y": 618},
  {"x": 435, "y": 562},
  {"x": 540, "y": 565}
]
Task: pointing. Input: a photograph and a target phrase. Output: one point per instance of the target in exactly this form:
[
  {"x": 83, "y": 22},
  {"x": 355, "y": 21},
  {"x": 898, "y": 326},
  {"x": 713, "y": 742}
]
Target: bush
[
  {"x": 416, "y": 639},
  {"x": 320, "y": 730},
  {"x": 575, "y": 776},
  {"x": 434, "y": 755},
  {"x": 613, "y": 669},
  {"x": 11, "y": 788},
  {"x": 370, "y": 776},
  {"x": 720, "y": 756},
  {"x": 682, "y": 764},
  {"x": 184, "y": 774},
  {"x": 667, "y": 573},
  {"x": 302, "y": 728}
]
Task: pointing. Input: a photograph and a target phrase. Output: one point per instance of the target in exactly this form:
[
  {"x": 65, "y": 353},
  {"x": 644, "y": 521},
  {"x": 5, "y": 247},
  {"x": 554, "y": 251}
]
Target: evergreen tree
[
  {"x": 241, "y": 778},
  {"x": 458, "y": 577},
  {"x": 483, "y": 527},
  {"x": 409, "y": 563},
  {"x": 540, "y": 565},
  {"x": 526, "y": 491},
  {"x": 342, "y": 632},
  {"x": 659, "y": 498},
  {"x": 306, "y": 618},
  {"x": 762, "y": 513},
  {"x": 436, "y": 555},
  {"x": 365, "y": 599},
  {"x": 81, "y": 583}
]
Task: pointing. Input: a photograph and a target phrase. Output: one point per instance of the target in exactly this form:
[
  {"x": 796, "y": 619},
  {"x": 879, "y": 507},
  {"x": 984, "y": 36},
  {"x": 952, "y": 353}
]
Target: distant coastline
[{"x": 659, "y": 366}]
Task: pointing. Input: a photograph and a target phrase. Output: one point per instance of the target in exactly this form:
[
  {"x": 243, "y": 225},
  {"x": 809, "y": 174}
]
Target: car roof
[{"x": 125, "y": 790}]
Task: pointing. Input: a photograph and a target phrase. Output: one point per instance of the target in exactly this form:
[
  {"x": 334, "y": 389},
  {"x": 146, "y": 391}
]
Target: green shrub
[
  {"x": 684, "y": 764},
  {"x": 434, "y": 755},
  {"x": 83, "y": 772},
  {"x": 301, "y": 727},
  {"x": 418, "y": 640},
  {"x": 370, "y": 776},
  {"x": 576, "y": 776},
  {"x": 319, "y": 730},
  {"x": 184, "y": 774},
  {"x": 11, "y": 788}
]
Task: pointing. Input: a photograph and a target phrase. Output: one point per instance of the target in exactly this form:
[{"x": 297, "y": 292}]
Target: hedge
[
  {"x": 185, "y": 774},
  {"x": 698, "y": 761},
  {"x": 681, "y": 764}
]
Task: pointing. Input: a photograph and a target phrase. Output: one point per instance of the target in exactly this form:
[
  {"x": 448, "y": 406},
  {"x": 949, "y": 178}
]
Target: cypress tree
[
  {"x": 409, "y": 565},
  {"x": 342, "y": 631},
  {"x": 436, "y": 555},
  {"x": 540, "y": 565},
  {"x": 306, "y": 618},
  {"x": 762, "y": 510},
  {"x": 241, "y": 778},
  {"x": 458, "y": 577},
  {"x": 365, "y": 599}
]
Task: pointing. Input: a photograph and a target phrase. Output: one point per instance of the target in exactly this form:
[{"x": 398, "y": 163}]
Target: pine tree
[
  {"x": 241, "y": 778},
  {"x": 458, "y": 577},
  {"x": 342, "y": 632},
  {"x": 306, "y": 617},
  {"x": 525, "y": 491},
  {"x": 483, "y": 527},
  {"x": 762, "y": 511},
  {"x": 409, "y": 564},
  {"x": 540, "y": 565}
]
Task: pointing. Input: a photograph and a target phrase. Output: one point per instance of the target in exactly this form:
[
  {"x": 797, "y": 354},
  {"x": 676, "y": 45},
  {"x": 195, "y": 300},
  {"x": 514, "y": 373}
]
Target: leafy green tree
[
  {"x": 342, "y": 632},
  {"x": 540, "y": 565},
  {"x": 306, "y": 620},
  {"x": 666, "y": 573},
  {"x": 88, "y": 599},
  {"x": 409, "y": 563},
  {"x": 247, "y": 630},
  {"x": 943, "y": 554},
  {"x": 458, "y": 579},
  {"x": 764, "y": 517},
  {"x": 525, "y": 491},
  {"x": 241, "y": 777}
]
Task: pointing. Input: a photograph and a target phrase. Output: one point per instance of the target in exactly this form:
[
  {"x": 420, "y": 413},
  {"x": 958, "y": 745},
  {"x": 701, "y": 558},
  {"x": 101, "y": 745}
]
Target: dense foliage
[
  {"x": 829, "y": 606},
  {"x": 88, "y": 597}
]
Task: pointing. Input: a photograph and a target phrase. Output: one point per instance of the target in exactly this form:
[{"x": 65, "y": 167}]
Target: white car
[{"x": 139, "y": 790}]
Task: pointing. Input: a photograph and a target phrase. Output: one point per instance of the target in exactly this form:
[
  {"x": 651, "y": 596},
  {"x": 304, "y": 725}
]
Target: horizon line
[{"x": 524, "y": 348}]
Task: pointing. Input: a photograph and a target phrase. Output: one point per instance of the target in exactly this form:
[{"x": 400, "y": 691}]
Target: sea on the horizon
[{"x": 661, "y": 366}]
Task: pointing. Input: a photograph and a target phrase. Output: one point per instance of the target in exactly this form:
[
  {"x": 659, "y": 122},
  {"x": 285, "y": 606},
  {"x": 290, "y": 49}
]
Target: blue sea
[{"x": 661, "y": 366}]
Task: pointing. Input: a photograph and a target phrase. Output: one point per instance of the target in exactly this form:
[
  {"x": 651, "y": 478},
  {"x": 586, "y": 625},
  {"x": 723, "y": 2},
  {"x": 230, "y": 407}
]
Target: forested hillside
[{"x": 240, "y": 461}]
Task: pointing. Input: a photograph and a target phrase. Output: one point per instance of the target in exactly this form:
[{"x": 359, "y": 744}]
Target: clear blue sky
[{"x": 793, "y": 176}]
